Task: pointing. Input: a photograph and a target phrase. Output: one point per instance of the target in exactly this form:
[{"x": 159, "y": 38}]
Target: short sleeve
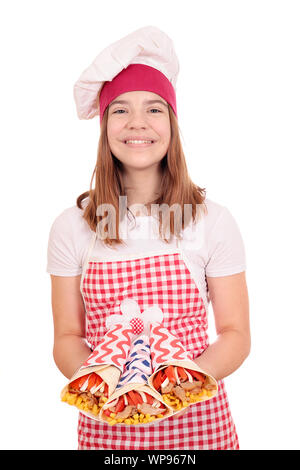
[
  {"x": 62, "y": 257},
  {"x": 226, "y": 251}
]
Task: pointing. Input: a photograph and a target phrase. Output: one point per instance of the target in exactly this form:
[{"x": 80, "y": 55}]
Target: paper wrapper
[
  {"x": 135, "y": 378},
  {"x": 166, "y": 349},
  {"x": 113, "y": 349},
  {"x": 107, "y": 360}
]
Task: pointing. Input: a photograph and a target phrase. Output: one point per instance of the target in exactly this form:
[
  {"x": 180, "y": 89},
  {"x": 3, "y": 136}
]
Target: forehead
[{"x": 139, "y": 97}]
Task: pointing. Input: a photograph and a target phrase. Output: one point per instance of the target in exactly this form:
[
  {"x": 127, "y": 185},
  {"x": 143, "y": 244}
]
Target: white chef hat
[{"x": 143, "y": 60}]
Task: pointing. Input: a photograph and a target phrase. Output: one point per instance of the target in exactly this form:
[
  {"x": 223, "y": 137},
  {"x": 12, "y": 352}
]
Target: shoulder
[
  {"x": 70, "y": 220},
  {"x": 213, "y": 210},
  {"x": 215, "y": 225},
  {"x": 218, "y": 218},
  {"x": 220, "y": 225},
  {"x": 68, "y": 242},
  {"x": 224, "y": 243}
]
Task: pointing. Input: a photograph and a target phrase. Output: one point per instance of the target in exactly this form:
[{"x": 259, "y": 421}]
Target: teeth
[{"x": 138, "y": 141}]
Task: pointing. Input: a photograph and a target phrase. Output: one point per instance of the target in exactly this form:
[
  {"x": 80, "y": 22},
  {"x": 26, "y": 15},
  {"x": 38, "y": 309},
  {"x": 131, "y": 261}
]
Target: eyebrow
[{"x": 145, "y": 102}]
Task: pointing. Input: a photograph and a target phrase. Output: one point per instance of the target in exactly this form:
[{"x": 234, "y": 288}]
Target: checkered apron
[{"x": 160, "y": 278}]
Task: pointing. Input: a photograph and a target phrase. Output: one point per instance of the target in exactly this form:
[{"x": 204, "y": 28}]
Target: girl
[{"x": 102, "y": 251}]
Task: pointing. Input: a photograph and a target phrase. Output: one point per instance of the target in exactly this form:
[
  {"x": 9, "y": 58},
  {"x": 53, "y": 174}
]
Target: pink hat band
[{"x": 137, "y": 77}]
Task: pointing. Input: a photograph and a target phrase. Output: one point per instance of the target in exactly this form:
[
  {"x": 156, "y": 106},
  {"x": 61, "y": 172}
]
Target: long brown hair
[{"x": 176, "y": 186}]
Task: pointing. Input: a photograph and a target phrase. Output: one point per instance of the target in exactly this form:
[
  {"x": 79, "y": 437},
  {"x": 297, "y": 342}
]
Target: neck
[{"x": 142, "y": 187}]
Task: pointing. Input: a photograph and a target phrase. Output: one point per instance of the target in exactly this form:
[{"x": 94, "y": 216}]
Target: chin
[
  {"x": 140, "y": 161},
  {"x": 141, "y": 166}
]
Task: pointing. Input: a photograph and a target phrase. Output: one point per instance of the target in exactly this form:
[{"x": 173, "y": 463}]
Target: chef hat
[{"x": 143, "y": 60}]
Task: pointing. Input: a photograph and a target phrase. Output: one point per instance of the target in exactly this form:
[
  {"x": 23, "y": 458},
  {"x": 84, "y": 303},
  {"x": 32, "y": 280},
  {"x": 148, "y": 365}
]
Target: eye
[{"x": 120, "y": 111}]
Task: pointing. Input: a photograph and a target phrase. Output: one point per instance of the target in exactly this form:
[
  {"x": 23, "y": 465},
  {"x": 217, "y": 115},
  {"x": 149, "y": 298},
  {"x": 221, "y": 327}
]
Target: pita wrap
[
  {"x": 107, "y": 361},
  {"x": 134, "y": 401},
  {"x": 184, "y": 383},
  {"x": 87, "y": 402}
]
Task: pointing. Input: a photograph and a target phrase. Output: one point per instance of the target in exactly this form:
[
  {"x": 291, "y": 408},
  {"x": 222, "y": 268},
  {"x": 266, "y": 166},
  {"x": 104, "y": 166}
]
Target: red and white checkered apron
[{"x": 160, "y": 278}]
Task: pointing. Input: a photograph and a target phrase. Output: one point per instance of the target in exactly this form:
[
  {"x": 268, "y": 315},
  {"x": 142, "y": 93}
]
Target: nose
[{"x": 137, "y": 119}]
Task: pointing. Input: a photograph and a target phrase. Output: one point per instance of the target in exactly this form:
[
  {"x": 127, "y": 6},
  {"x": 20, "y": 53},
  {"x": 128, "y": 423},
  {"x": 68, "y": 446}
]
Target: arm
[
  {"x": 70, "y": 348},
  {"x": 229, "y": 297}
]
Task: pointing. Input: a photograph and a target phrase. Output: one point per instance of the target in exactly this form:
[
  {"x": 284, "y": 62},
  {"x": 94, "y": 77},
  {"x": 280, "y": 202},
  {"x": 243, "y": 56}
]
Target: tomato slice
[
  {"x": 120, "y": 405},
  {"x": 99, "y": 380},
  {"x": 197, "y": 375},
  {"x": 78, "y": 382},
  {"x": 130, "y": 400},
  {"x": 170, "y": 373},
  {"x": 92, "y": 380},
  {"x": 136, "y": 397},
  {"x": 107, "y": 412},
  {"x": 149, "y": 398},
  {"x": 133, "y": 397},
  {"x": 182, "y": 374},
  {"x": 106, "y": 390},
  {"x": 139, "y": 397},
  {"x": 158, "y": 379}
]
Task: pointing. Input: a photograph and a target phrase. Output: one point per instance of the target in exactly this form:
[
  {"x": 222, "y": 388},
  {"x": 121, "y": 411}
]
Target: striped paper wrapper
[
  {"x": 113, "y": 349},
  {"x": 165, "y": 347},
  {"x": 138, "y": 367}
]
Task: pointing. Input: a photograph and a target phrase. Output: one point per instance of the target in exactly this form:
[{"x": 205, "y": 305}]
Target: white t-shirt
[{"x": 212, "y": 247}]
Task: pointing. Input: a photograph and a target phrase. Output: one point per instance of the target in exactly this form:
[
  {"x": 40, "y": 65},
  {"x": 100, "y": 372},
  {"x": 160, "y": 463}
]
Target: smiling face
[{"x": 141, "y": 116}]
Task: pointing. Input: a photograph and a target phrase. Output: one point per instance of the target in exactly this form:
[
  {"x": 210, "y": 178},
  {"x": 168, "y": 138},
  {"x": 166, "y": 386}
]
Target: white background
[{"x": 238, "y": 105}]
